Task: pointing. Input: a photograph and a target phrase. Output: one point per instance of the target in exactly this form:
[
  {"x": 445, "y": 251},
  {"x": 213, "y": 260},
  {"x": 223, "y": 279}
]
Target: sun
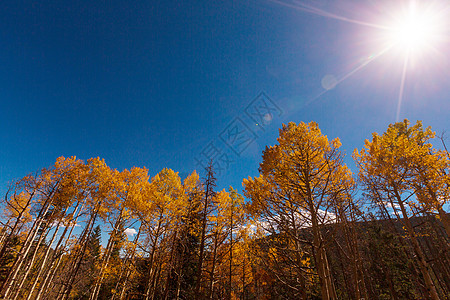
[
  {"x": 413, "y": 33},
  {"x": 414, "y": 30}
]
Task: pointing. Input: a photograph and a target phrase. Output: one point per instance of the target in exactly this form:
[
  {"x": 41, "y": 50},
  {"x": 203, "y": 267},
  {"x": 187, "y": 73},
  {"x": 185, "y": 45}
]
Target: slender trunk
[
  {"x": 30, "y": 264},
  {"x": 151, "y": 272},
  {"x": 79, "y": 256},
  {"x": 171, "y": 267},
  {"x": 328, "y": 276},
  {"x": 154, "y": 281},
  {"x": 213, "y": 268},
  {"x": 179, "y": 273},
  {"x": 152, "y": 256},
  {"x": 231, "y": 252},
  {"x": 57, "y": 257},
  {"x": 443, "y": 247},
  {"x": 44, "y": 261},
  {"x": 12, "y": 276},
  {"x": 327, "y": 287},
  {"x": 209, "y": 193},
  {"x": 51, "y": 270},
  {"x": 202, "y": 241},
  {"x": 3, "y": 237},
  {"x": 347, "y": 281},
  {"x": 46, "y": 255},
  {"x": 243, "y": 277},
  {"x": 298, "y": 258},
  {"x": 178, "y": 286},
  {"x": 111, "y": 243},
  {"x": 445, "y": 219},
  {"x": 326, "y": 284},
  {"x": 50, "y": 275},
  {"x": 130, "y": 260},
  {"x": 352, "y": 243},
  {"x": 423, "y": 265},
  {"x": 354, "y": 269},
  {"x": 359, "y": 266},
  {"x": 437, "y": 264}
]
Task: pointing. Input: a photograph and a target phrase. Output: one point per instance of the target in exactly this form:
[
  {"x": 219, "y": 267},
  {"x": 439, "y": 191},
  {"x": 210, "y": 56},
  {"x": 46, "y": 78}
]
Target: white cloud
[
  {"x": 130, "y": 231},
  {"x": 389, "y": 205}
]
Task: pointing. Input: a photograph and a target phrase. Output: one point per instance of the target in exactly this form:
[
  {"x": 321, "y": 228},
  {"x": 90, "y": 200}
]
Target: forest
[{"x": 306, "y": 228}]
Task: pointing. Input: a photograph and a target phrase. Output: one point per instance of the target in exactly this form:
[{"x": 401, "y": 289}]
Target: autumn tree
[
  {"x": 89, "y": 206},
  {"x": 301, "y": 179},
  {"x": 125, "y": 188},
  {"x": 208, "y": 206},
  {"x": 395, "y": 169},
  {"x": 306, "y": 231},
  {"x": 181, "y": 281},
  {"x": 54, "y": 191},
  {"x": 237, "y": 230},
  {"x": 16, "y": 208},
  {"x": 165, "y": 205},
  {"x": 228, "y": 230}
]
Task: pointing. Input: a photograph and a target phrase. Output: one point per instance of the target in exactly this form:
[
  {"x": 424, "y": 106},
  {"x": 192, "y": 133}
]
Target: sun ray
[
  {"x": 349, "y": 74},
  {"x": 402, "y": 87},
  {"x": 363, "y": 64},
  {"x": 311, "y": 9}
]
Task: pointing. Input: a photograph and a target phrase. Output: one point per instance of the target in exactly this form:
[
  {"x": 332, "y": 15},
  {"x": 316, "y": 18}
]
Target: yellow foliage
[{"x": 402, "y": 161}]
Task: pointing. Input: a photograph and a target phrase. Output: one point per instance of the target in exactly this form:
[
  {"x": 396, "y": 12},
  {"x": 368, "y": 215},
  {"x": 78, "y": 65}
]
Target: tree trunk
[
  {"x": 202, "y": 246},
  {"x": 209, "y": 184},
  {"x": 213, "y": 268},
  {"x": 423, "y": 265},
  {"x": 30, "y": 263},
  {"x": 129, "y": 269},
  {"x": 172, "y": 251},
  {"x": 20, "y": 259},
  {"x": 109, "y": 248},
  {"x": 231, "y": 252},
  {"x": 44, "y": 261},
  {"x": 55, "y": 265},
  {"x": 152, "y": 258},
  {"x": 79, "y": 256},
  {"x": 298, "y": 258},
  {"x": 51, "y": 269},
  {"x": 323, "y": 270}
]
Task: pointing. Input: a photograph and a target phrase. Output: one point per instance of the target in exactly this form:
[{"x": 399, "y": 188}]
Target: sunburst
[
  {"x": 415, "y": 29},
  {"x": 410, "y": 30}
]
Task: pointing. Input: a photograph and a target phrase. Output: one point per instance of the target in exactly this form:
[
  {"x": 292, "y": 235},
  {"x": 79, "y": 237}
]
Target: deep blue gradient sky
[{"x": 152, "y": 83}]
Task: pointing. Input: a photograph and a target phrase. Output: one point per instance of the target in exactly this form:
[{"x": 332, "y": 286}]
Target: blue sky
[{"x": 153, "y": 83}]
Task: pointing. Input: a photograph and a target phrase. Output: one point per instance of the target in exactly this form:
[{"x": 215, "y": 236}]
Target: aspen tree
[
  {"x": 300, "y": 180},
  {"x": 388, "y": 166},
  {"x": 125, "y": 187}
]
